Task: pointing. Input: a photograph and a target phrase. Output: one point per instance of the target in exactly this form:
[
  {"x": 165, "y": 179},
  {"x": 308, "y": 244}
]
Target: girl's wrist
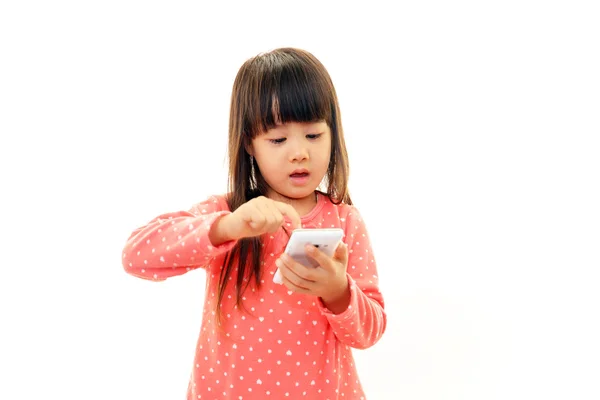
[
  {"x": 219, "y": 233},
  {"x": 338, "y": 302}
]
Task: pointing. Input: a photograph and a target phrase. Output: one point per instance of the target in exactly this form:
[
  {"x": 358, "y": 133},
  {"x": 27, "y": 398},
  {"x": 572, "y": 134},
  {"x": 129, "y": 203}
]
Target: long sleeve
[
  {"x": 363, "y": 323},
  {"x": 175, "y": 243}
]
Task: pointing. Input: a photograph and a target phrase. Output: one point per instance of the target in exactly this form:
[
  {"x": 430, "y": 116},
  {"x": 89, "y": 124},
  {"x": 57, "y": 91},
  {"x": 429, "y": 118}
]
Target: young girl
[{"x": 260, "y": 339}]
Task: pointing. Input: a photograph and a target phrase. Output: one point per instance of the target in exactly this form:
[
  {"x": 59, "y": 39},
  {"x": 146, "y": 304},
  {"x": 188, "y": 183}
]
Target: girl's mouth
[{"x": 299, "y": 178}]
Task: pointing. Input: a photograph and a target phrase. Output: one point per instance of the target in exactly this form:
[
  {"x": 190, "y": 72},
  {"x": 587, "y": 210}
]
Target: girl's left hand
[{"x": 328, "y": 281}]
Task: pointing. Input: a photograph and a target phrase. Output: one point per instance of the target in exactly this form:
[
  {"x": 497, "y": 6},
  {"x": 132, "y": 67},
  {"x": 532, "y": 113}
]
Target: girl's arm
[
  {"x": 175, "y": 243},
  {"x": 363, "y": 322}
]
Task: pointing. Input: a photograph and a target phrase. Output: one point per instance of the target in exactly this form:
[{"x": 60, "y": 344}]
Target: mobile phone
[{"x": 326, "y": 240}]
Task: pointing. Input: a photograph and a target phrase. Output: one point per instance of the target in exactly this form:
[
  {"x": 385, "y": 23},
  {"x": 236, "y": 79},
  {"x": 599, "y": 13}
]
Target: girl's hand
[
  {"x": 328, "y": 281},
  {"x": 254, "y": 218}
]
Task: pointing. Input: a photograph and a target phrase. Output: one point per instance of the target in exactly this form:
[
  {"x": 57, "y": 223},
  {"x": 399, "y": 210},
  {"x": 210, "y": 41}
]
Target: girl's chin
[{"x": 292, "y": 194}]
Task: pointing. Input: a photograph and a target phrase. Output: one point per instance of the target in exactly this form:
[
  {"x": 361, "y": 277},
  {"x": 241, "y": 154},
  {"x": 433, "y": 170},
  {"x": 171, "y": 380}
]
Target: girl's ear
[{"x": 249, "y": 149}]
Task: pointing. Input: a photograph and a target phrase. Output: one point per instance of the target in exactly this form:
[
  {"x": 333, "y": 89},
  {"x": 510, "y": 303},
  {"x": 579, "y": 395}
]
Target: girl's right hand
[{"x": 254, "y": 218}]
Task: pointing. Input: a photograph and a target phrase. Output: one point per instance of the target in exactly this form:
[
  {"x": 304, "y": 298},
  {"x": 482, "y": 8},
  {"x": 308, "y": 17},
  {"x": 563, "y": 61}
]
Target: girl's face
[{"x": 293, "y": 158}]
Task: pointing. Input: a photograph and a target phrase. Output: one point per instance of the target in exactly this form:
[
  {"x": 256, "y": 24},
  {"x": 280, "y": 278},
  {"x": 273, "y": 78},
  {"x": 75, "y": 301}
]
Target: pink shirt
[{"x": 284, "y": 345}]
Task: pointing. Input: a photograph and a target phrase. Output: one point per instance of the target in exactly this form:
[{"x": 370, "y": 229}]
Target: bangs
[{"x": 290, "y": 89}]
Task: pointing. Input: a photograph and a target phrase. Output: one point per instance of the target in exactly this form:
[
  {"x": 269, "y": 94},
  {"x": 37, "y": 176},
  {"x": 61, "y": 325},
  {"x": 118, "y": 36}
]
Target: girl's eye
[{"x": 311, "y": 136}]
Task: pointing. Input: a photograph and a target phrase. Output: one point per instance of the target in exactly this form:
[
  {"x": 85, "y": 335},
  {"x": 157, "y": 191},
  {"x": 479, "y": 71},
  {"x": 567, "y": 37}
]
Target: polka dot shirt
[{"x": 278, "y": 344}]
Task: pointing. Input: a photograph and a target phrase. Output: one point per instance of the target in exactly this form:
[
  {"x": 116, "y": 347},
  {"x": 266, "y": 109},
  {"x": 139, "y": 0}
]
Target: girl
[{"x": 258, "y": 339}]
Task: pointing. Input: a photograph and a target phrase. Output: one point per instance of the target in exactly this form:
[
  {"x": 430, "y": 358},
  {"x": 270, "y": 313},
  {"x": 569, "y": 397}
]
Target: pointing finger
[{"x": 291, "y": 212}]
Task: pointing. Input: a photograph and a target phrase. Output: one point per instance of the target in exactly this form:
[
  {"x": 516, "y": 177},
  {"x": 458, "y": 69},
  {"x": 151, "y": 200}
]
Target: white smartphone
[{"x": 325, "y": 240}]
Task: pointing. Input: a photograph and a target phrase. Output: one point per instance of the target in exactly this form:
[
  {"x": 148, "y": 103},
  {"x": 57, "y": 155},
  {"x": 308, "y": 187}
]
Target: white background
[{"x": 472, "y": 129}]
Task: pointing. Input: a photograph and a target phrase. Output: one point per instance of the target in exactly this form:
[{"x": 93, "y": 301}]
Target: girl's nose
[{"x": 299, "y": 153}]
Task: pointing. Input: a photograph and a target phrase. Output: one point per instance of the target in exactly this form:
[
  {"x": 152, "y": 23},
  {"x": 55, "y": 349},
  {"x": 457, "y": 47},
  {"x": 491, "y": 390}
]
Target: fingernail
[
  {"x": 278, "y": 262},
  {"x": 310, "y": 248}
]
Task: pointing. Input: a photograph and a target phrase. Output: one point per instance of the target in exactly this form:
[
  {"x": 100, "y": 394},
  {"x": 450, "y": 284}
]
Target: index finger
[{"x": 291, "y": 212}]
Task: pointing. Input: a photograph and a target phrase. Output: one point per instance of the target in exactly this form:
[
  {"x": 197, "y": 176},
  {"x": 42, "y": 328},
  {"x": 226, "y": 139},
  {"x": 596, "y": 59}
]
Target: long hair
[{"x": 283, "y": 85}]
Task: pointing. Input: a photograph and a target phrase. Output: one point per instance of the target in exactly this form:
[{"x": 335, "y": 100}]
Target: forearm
[{"x": 169, "y": 242}]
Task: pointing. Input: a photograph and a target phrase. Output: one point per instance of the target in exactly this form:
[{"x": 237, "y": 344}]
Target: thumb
[{"x": 341, "y": 253}]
